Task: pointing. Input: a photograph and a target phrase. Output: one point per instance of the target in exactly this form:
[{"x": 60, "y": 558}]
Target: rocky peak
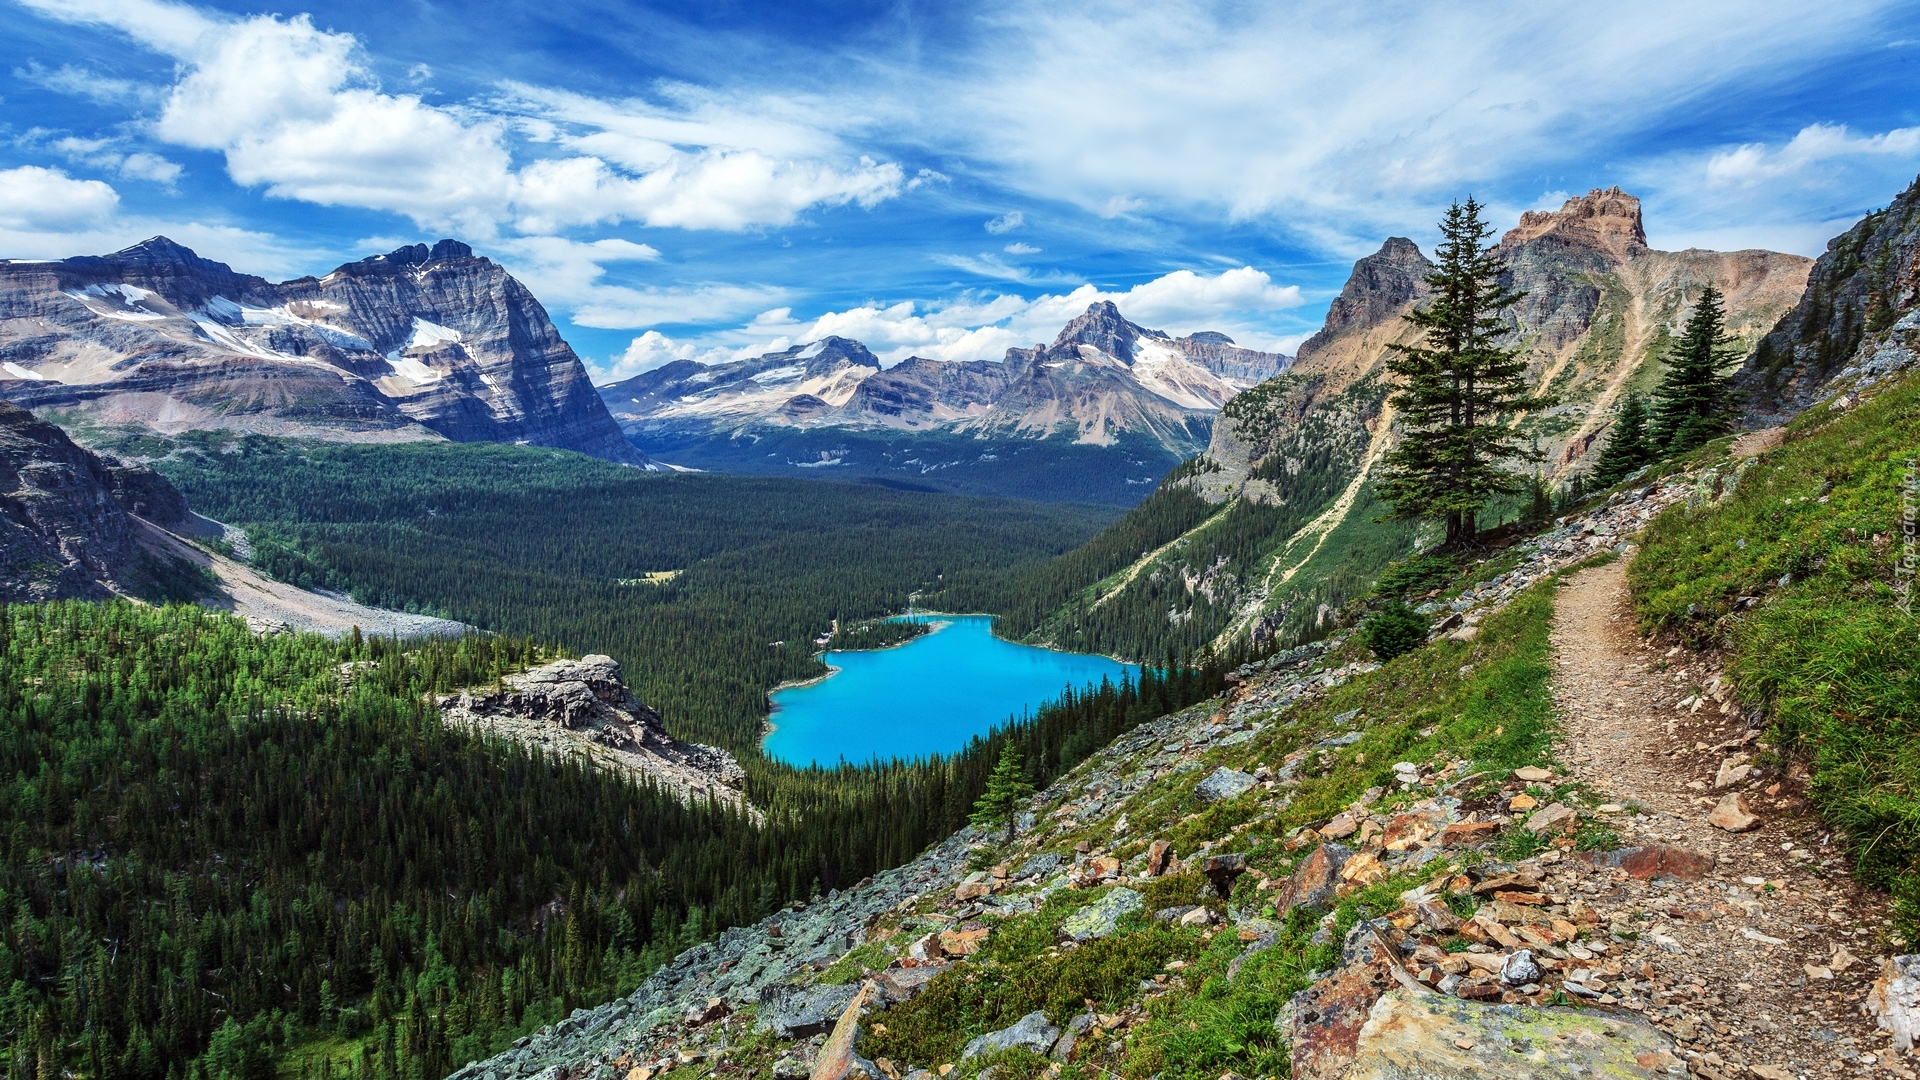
[
  {"x": 408, "y": 257},
  {"x": 160, "y": 265},
  {"x": 831, "y": 349},
  {"x": 1607, "y": 219},
  {"x": 1379, "y": 287},
  {"x": 1104, "y": 328},
  {"x": 1210, "y": 337}
]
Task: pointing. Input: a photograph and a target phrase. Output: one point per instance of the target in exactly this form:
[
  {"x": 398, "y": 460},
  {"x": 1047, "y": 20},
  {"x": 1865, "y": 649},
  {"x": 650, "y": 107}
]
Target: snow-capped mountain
[
  {"x": 828, "y": 406},
  {"x": 421, "y": 343}
]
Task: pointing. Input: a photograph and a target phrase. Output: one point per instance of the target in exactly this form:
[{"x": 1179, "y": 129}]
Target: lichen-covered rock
[
  {"x": 1315, "y": 879},
  {"x": 1222, "y": 784},
  {"x": 1410, "y": 1036},
  {"x": 1031, "y": 1032},
  {"x": 1328, "y": 1016},
  {"x": 796, "y": 1012},
  {"x": 1099, "y": 918}
]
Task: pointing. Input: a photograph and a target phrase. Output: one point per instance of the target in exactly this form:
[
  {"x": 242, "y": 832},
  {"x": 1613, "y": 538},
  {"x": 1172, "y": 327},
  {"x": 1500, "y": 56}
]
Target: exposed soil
[{"x": 1761, "y": 965}]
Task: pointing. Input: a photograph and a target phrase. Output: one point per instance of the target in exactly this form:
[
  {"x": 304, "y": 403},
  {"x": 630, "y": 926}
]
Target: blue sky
[{"x": 940, "y": 179}]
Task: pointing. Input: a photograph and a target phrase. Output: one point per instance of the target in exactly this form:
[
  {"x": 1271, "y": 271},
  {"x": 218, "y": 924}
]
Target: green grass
[{"x": 1822, "y": 647}]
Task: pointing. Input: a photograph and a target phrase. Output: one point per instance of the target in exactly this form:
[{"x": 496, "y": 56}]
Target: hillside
[
  {"x": 421, "y": 343},
  {"x": 1295, "y": 533},
  {"x": 1098, "y": 416}
]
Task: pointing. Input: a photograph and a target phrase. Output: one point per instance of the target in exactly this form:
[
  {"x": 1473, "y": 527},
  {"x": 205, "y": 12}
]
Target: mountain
[
  {"x": 420, "y": 343},
  {"x": 1098, "y": 415},
  {"x": 1853, "y": 320},
  {"x": 68, "y": 528},
  {"x": 1294, "y": 531}
]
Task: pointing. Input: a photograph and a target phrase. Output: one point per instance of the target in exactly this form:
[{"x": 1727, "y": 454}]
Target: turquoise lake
[{"x": 928, "y": 696}]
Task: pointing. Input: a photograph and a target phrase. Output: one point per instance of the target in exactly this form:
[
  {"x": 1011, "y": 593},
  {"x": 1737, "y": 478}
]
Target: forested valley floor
[{"x": 236, "y": 856}]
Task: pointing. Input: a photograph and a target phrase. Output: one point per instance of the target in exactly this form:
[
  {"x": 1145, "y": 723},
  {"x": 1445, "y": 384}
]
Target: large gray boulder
[
  {"x": 793, "y": 1012},
  {"x": 1224, "y": 783},
  {"x": 1031, "y": 1032}
]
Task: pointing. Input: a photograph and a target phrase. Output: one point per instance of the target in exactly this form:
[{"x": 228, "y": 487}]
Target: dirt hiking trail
[{"x": 1762, "y": 961}]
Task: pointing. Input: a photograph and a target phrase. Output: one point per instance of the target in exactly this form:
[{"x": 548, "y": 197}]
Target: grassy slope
[
  {"x": 1812, "y": 532},
  {"x": 1486, "y": 703}
]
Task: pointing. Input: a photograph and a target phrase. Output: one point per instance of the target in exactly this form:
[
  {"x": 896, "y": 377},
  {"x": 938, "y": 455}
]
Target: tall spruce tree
[
  {"x": 1007, "y": 791},
  {"x": 1455, "y": 387},
  {"x": 1693, "y": 403},
  {"x": 1628, "y": 447}
]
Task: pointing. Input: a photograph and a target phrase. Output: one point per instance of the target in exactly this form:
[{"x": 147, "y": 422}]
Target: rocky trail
[{"x": 1761, "y": 962}]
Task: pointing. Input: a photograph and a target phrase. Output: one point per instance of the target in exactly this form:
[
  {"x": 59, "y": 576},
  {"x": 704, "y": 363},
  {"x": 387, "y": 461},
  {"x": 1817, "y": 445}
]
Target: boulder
[
  {"x": 1653, "y": 860},
  {"x": 905, "y": 984},
  {"x": 1551, "y": 817},
  {"x": 1222, "y": 870},
  {"x": 837, "y": 1059},
  {"x": 1733, "y": 814},
  {"x": 1031, "y": 1032},
  {"x": 1159, "y": 856},
  {"x": 1224, "y": 783},
  {"x": 1434, "y": 1037},
  {"x": 1463, "y": 833},
  {"x": 1894, "y": 1001},
  {"x": 1315, "y": 879},
  {"x": 1328, "y": 1016},
  {"x": 1039, "y": 865},
  {"x": 1099, "y": 918},
  {"x": 795, "y": 1012},
  {"x": 1406, "y": 830}
]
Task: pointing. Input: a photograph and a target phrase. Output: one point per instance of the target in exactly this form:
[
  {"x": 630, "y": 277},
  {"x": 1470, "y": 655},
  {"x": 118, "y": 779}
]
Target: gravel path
[{"x": 1763, "y": 961}]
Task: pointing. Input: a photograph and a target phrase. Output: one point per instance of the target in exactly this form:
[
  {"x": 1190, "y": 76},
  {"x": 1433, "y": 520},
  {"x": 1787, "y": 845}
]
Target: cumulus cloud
[
  {"x": 1815, "y": 145},
  {"x": 111, "y": 155},
  {"x": 33, "y": 198},
  {"x": 297, "y": 111}
]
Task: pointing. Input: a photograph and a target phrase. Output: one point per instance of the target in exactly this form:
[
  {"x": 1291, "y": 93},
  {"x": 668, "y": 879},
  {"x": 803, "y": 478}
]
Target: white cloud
[
  {"x": 1815, "y": 145},
  {"x": 84, "y": 83},
  {"x": 298, "y": 111},
  {"x": 109, "y": 154},
  {"x": 1006, "y": 222},
  {"x": 1019, "y": 248},
  {"x": 35, "y": 199},
  {"x": 981, "y": 328}
]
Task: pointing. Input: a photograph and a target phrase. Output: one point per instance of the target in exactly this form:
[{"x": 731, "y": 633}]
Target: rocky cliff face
[
  {"x": 67, "y": 527},
  {"x": 1849, "y": 322},
  {"x": 583, "y": 707},
  {"x": 421, "y": 343},
  {"x": 1103, "y": 377}
]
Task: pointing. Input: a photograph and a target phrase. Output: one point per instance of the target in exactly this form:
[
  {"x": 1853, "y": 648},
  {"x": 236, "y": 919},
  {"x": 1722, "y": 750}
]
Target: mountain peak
[
  {"x": 1607, "y": 219},
  {"x": 1380, "y": 285},
  {"x": 158, "y": 251},
  {"x": 1104, "y": 328}
]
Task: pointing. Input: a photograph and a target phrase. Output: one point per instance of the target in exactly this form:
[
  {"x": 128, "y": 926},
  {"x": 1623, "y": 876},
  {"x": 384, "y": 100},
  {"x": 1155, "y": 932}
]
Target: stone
[
  {"x": 1222, "y": 870},
  {"x": 1406, "y": 830},
  {"x": 972, "y": 890},
  {"x": 1653, "y": 860},
  {"x": 1340, "y": 826},
  {"x": 1031, "y": 1032},
  {"x": 1435, "y": 915},
  {"x": 1315, "y": 879},
  {"x": 1363, "y": 869},
  {"x": 1522, "y": 801},
  {"x": 1551, "y": 817},
  {"x": 905, "y": 984},
  {"x": 1434, "y": 1037},
  {"x": 962, "y": 942},
  {"x": 1224, "y": 783},
  {"x": 1733, "y": 814},
  {"x": 837, "y": 1059},
  {"x": 1463, "y": 833},
  {"x": 1732, "y": 770},
  {"x": 1894, "y": 1000},
  {"x": 1533, "y": 774},
  {"x": 1519, "y": 968},
  {"x": 1098, "y": 919},
  {"x": 1103, "y": 868},
  {"x": 1159, "y": 856},
  {"x": 707, "y": 1012},
  {"x": 1198, "y": 916},
  {"x": 1328, "y": 1016},
  {"x": 793, "y": 1012},
  {"x": 1039, "y": 866}
]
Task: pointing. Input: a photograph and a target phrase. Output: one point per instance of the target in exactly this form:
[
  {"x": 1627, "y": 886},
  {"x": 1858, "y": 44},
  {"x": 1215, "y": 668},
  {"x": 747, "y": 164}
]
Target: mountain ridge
[{"x": 419, "y": 343}]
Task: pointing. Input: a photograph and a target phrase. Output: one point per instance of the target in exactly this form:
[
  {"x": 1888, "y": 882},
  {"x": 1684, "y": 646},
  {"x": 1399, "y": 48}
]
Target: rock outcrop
[
  {"x": 420, "y": 343},
  {"x": 1854, "y": 322},
  {"x": 68, "y": 524},
  {"x": 583, "y": 707}
]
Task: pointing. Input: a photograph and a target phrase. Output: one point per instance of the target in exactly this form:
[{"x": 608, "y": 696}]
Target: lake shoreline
[{"x": 960, "y": 682}]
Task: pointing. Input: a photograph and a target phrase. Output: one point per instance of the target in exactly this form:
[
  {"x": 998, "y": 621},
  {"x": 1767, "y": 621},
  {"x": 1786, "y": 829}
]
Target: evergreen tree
[
  {"x": 1628, "y": 447},
  {"x": 1455, "y": 387},
  {"x": 1693, "y": 403},
  {"x": 1007, "y": 791}
]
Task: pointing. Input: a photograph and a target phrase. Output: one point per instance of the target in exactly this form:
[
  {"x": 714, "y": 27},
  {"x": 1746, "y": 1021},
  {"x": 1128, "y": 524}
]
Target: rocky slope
[
  {"x": 69, "y": 518},
  {"x": 1242, "y": 901},
  {"x": 1289, "y": 461},
  {"x": 1105, "y": 384},
  {"x": 1848, "y": 322},
  {"x": 420, "y": 343},
  {"x": 582, "y": 707}
]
